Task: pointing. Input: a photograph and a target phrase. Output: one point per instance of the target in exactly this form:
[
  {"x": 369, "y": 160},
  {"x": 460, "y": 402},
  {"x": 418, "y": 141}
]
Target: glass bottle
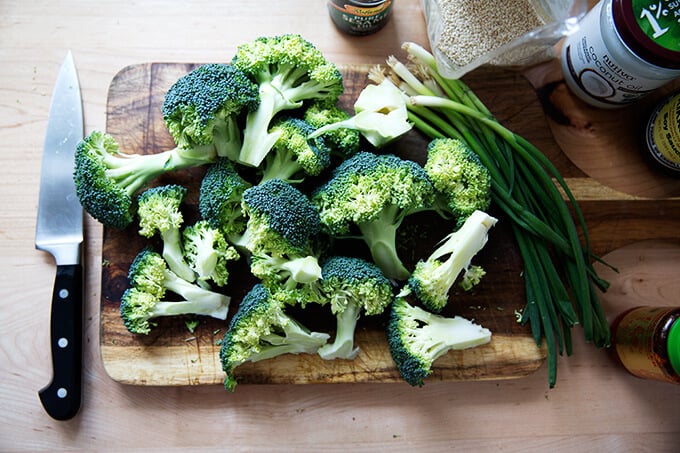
[
  {"x": 622, "y": 50},
  {"x": 646, "y": 341},
  {"x": 357, "y": 17}
]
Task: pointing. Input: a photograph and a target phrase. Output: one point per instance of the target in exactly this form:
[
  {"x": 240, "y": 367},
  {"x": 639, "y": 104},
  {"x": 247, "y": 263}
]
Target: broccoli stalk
[
  {"x": 288, "y": 71},
  {"x": 433, "y": 278},
  {"x": 343, "y": 142},
  {"x": 417, "y": 338},
  {"x": 150, "y": 279},
  {"x": 380, "y": 115},
  {"x": 261, "y": 329},
  {"x": 351, "y": 285},
  {"x": 159, "y": 212}
]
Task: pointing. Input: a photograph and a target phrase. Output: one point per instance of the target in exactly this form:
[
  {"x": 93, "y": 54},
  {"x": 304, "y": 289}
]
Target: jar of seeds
[{"x": 465, "y": 34}]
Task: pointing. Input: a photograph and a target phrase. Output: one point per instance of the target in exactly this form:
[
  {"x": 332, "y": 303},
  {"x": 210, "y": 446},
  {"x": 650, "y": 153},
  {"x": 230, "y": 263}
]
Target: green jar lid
[{"x": 674, "y": 346}]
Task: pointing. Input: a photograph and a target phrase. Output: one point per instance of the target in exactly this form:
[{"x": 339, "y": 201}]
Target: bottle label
[
  {"x": 663, "y": 134},
  {"x": 594, "y": 73},
  {"x": 635, "y": 340},
  {"x": 359, "y": 18},
  {"x": 660, "y": 21}
]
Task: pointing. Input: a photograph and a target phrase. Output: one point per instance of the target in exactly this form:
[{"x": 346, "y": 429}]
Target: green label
[{"x": 660, "y": 20}]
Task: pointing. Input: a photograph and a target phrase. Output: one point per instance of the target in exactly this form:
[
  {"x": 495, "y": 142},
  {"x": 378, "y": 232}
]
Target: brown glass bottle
[{"x": 646, "y": 341}]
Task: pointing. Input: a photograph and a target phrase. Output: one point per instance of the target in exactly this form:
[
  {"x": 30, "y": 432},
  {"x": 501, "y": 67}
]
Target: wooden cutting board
[{"x": 171, "y": 355}]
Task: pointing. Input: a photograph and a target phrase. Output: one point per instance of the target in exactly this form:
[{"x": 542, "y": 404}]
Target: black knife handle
[{"x": 61, "y": 397}]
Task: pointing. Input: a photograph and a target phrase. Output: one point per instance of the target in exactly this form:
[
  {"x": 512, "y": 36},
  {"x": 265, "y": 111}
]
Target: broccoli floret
[
  {"x": 375, "y": 193},
  {"x": 144, "y": 299},
  {"x": 433, "y": 278},
  {"x": 294, "y": 156},
  {"x": 208, "y": 253},
  {"x": 293, "y": 278},
  {"x": 342, "y": 141},
  {"x": 203, "y": 108},
  {"x": 159, "y": 212},
  {"x": 351, "y": 286},
  {"x": 459, "y": 177},
  {"x": 200, "y": 111},
  {"x": 288, "y": 70},
  {"x": 261, "y": 329},
  {"x": 280, "y": 238},
  {"x": 220, "y": 195},
  {"x": 417, "y": 338},
  {"x": 107, "y": 179},
  {"x": 281, "y": 220},
  {"x": 380, "y": 115}
]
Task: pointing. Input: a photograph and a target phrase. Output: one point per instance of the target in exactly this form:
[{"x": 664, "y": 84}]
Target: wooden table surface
[{"x": 595, "y": 406}]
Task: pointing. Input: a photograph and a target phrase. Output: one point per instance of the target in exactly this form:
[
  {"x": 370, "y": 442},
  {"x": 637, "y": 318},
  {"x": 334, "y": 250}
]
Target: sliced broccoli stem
[
  {"x": 303, "y": 270},
  {"x": 380, "y": 235},
  {"x": 198, "y": 300},
  {"x": 343, "y": 344}
]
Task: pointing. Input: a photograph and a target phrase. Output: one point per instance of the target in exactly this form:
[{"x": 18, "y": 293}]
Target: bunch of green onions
[{"x": 561, "y": 284}]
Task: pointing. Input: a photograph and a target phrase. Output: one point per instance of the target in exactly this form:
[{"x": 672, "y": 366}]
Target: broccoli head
[
  {"x": 351, "y": 286},
  {"x": 220, "y": 195},
  {"x": 203, "y": 108},
  {"x": 295, "y": 156},
  {"x": 416, "y": 338},
  {"x": 288, "y": 70},
  {"x": 432, "y": 278},
  {"x": 208, "y": 253},
  {"x": 159, "y": 213},
  {"x": 145, "y": 298},
  {"x": 459, "y": 177},
  {"x": 375, "y": 193},
  {"x": 281, "y": 219},
  {"x": 261, "y": 329}
]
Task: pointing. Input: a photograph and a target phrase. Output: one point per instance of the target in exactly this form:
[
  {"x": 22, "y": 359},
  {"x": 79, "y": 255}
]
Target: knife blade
[{"x": 59, "y": 231}]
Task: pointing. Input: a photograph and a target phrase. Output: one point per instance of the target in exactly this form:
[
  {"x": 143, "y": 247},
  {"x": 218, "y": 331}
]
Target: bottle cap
[
  {"x": 674, "y": 346},
  {"x": 650, "y": 31}
]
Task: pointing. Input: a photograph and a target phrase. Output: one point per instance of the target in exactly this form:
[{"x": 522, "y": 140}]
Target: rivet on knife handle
[{"x": 61, "y": 398}]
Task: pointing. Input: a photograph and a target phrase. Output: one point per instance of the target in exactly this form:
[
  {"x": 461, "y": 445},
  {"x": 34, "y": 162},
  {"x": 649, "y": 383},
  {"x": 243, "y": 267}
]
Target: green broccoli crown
[
  {"x": 281, "y": 218},
  {"x": 343, "y": 142},
  {"x": 402, "y": 329},
  {"x": 261, "y": 329},
  {"x": 147, "y": 273},
  {"x": 159, "y": 209},
  {"x": 203, "y": 100},
  {"x": 220, "y": 194},
  {"x": 208, "y": 253},
  {"x": 294, "y": 153},
  {"x": 458, "y": 174},
  {"x": 104, "y": 195},
  {"x": 294, "y": 62},
  {"x": 293, "y": 278},
  {"x": 348, "y": 279},
  {"x": 137, "y": 309},
  {"x": 364, "y": 185}
]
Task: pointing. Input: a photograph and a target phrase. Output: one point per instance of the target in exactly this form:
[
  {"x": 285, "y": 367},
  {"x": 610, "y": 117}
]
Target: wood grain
[{"x": 170, "y": 355}]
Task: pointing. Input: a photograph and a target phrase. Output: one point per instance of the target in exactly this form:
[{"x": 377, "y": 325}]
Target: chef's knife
[{"x": 59, "y": 231}]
